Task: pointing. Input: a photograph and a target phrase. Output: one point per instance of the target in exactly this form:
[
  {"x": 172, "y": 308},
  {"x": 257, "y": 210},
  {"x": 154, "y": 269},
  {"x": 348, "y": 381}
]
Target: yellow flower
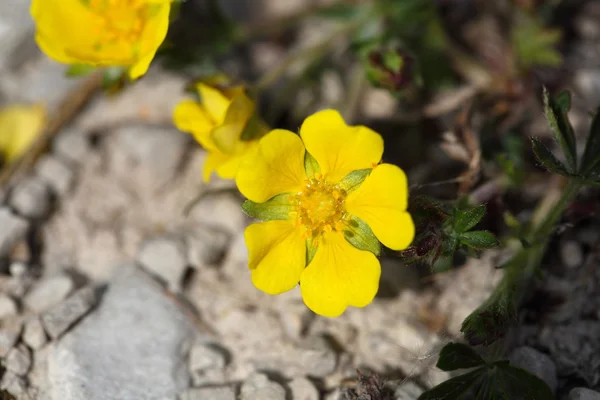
[
  {"x": 102, "y": 33},
  {"x": 218, "y": 123},
  {"x": 327, "y": 200},
  {"x": 20, "y": 125}
]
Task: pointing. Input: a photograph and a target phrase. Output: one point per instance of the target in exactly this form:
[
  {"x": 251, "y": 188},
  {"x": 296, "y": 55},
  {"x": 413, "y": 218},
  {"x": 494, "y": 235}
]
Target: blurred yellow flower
[
  {"x": 326, "y": 199},
  {"x": 102, "y": 33},
  {"x": 20, "y": 125},
  {"x": 218, "y": 122}
]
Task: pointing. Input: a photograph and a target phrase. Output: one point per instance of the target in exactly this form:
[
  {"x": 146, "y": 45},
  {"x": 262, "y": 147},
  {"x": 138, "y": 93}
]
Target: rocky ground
[{"x": 118, "y": 284}]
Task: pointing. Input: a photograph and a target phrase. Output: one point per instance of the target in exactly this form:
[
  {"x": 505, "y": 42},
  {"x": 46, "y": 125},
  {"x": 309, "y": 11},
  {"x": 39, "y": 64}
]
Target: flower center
[
  {"x": 119, "y": 20},
  {"x": 319, "y": 206}
]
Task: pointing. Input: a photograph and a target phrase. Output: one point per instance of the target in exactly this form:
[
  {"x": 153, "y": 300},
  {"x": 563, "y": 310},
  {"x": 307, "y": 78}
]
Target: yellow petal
[
  {"x": 20, "y": 126},
  {"x": 230, "y": 165},
  {"x": 276, "y": 167},
  {"x": 381, "y": 202},
  {"x": 339, "y": 276},
  {"x": 214, "y": 102},
  {"x": 338, "y": 148},
  {"x": 190, "y": 116},
  {"x": 276, "y": 255},
  {"x": 238, "y": 113}
]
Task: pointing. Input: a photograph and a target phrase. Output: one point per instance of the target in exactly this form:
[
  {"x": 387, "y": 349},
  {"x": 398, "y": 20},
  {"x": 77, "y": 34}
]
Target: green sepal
[
  {"x": 354, "y": 179},
  {"x": 311, "y": 166},
  {"x": 79, "y": 70},
  {"x": 311, "y": 249},
  {"x": 277, "y": 208},
  {"x": 360, "y": 235},
  {"x": 479, "y": 240}
]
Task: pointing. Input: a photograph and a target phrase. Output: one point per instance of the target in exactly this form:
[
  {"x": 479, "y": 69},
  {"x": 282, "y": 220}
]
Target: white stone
[
  {"x": 130, "y": 347},
  {"x": 209, "y": 393},
  {"x": 259, "y": 387},
  {"x": 205, "y": 246},
  {"x": 18, "y": 360},
  {"x": 8, "y": 307},
  {"x": 204, "y": 357},
  {"x": 303, "y": 389},
  {"x": 537, "y": 363},
  {"x": 31, "y": 198},
  {"x": 9, "y": 335},
  {"x": 13, "y": 384},
  {"x": 583, "y": 394},
  {"x": 33, "y": 334},
  {"x": 49, "y": 292},
  {"x": 72, "y": 146},
  {"x": 220, "y": 211},
  {"x": 165, "y": 257}
]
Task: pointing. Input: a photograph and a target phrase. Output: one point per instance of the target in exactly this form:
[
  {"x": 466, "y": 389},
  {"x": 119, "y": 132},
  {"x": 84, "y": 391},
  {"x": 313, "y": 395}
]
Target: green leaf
[
  {"x": 360, "y": 235},
  {"x": 466, "y": 219},
  {"x": 354, "y": 179},
  {"x": 546, "y": 158},
  {"x": 457, "y": 355},
  {"x": 520, "y": 384},
  {"x": 277, "y": 208},
  {"x": 79, "y": 70},
  {"x": 311, "y": 166},
  {"x": 562, "y": 131},
  {"x": 591, "y": 155},
  {"x": 479, "y": 240},
  {"x": 455, "y": 388}
]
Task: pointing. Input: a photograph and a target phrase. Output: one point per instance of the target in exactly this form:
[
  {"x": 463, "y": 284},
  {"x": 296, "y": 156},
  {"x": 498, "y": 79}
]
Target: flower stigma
[
  {"x": 319, "y": 207},
  {"x": 118, "y": 20}
]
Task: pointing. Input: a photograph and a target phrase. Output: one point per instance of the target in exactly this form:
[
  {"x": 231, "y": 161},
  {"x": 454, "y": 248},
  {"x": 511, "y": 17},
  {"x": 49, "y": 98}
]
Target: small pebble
[
  {"x": 8, "y": 307},
  {"x": 571, "y": 254},
  {"x": 13, "y": 229},
  {"x": 57, "y": 320},
  {"x": 303, "y": 389},
  {"x": 583, "y": 394},
  {"x": 220, "y": 211},
  {"x": 18, "y": 360},
  {"x": 205, "y": 357},
  {"x": 71, "y": 145},
  {"x": 17, "y": 269},
  {"x": 47, "y": 293},
  {"x": 166, "y": 258},
  {"x": 205, "y": 246},
  {"x": 33, "y": 334},
  {"x": 317, "y": 357},
  {"x": 13, "y": 384},
  {"x": 9, "y": 335},
  {"x": 259, "y": 387},
  {"x": 31, "y": 198}
]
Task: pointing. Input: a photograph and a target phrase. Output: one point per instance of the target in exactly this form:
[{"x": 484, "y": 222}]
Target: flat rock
[
  {"x": 12, "y": 229},
  {"x": 34, "y": 335},
  {"x": 56, "y": 173},
  {"x": 165, "y": 257},
  {"x": 48, "y": 293},
  {"x": 583, "y": 394},
  {"x": 18, "y": 360},
  {"x": 303, "y": 389},
  {"x": 31, "y": 198},
  {"x": 259, "y": 387},
  {"x": 537, "y": 363},
  {"x": 8, "y": 307},
  {"x": 130, "y": 347},
  {"x": 61, "y": 317}
]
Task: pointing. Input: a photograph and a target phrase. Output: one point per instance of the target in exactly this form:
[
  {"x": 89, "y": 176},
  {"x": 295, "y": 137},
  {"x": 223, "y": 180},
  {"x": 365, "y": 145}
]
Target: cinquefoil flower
[
  {"x": 220, "y": 122},
  {"x": 102, "y": 33},
  {"x": 20, "y": 125},
  {"x": 327, "y": 201}
]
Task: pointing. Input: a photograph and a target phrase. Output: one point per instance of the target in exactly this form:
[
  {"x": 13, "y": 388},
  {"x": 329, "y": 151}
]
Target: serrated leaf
[
  {"x": 479, "y": 240},
  {"x": 79, "y": 70},
  {"x": 311, "y": 166},
  {"x": 519, "y": 384},
  {"x": 590, "y": 162},
  {"x": 547, "y": 159},
  {"x": 455, "y": 388},
  {"x": 277, "y": 208},
  {"x": 354, "y": 179},
  {"x": 457, "y": 356},
  {"x": 360, "y": 235},
  {"x": 467, "y": 219},
  {"x": 562, "y": 131}
]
